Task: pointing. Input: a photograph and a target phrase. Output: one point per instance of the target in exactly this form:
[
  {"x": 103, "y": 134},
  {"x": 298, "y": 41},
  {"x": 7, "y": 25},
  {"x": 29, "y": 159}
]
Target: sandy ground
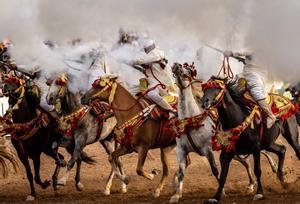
[{"x": 199, "y": 183}]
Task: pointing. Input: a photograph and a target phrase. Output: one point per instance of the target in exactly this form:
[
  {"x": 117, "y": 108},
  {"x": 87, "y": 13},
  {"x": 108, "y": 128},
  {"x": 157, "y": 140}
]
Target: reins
[{"x": 226, "y": 72}]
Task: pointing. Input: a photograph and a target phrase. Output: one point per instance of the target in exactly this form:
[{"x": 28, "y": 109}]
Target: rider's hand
[{"x": 228, "y": 53}]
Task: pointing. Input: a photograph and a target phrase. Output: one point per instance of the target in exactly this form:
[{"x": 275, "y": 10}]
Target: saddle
[
  {"x": 281, "y": 106},
  {"x": 158, "y": 113}
]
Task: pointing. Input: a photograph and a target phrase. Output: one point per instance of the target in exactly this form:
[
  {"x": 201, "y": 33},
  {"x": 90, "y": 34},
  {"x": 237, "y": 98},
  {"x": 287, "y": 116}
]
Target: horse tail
[
  {"x": 7, "y": 155},
  {"x": 87, "y": 159}
]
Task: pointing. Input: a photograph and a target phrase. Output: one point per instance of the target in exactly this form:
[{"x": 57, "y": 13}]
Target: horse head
[
  {"x": 214, "y": 90},
  {"x": 12, "y": 85},
  {"x": 102, "y": 89},
  {"x": 57, "y": 89},
  {"x": 184, "y": 74}
]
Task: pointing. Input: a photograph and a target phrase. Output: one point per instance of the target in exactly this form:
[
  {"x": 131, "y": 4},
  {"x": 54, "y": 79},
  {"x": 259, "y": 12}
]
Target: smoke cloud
[{"x": 181, "y": 28}]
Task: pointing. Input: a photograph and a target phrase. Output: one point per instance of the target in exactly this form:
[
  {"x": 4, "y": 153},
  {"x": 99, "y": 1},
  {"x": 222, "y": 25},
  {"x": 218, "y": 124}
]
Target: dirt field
[{"x": 199, "y": 183}]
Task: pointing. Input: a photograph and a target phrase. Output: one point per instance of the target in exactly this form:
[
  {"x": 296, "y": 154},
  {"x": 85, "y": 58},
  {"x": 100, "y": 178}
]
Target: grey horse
[{"x": 87, "y": 129}]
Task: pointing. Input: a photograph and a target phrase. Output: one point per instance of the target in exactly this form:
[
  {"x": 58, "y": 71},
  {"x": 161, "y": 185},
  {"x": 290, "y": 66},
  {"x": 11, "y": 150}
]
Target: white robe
[
  {"x": 157, "y": 75},
  {"x": 254, "y": 77}
]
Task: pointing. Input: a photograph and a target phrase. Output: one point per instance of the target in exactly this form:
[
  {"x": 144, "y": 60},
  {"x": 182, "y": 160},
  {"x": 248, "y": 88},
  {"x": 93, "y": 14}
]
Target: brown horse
[{"x": 145, "y": 136}]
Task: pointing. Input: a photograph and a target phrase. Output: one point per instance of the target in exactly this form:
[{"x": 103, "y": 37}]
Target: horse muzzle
[
  {"x": 206, "y": 104},
  {"x": 85, "y": 100}
]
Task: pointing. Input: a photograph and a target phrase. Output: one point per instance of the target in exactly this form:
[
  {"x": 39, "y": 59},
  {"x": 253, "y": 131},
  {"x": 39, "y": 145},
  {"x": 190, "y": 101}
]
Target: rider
[
  {"x": 255, "y": 84},
  {"x": 158, "y": 74}
]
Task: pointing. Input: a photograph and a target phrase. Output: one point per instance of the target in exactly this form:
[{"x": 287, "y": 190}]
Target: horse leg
[
  {"x": 110, "y": 146},
  {"x": 279, "y": 150},
  {"x": 54, "y": 177},
  {"x": 291, "y": 134},
  {"x": 142, "y": 154},
  {"x": 79, "y": 185},
  {"x": 63, "y": 180},
  {"x": 247, "y": 165},
  {"x": 270, "y": 160},
  {"x": 56, "y": 155},
  {"x": 114, "y": 159},
  {"x": 211, "y": 159},
  {"x": 164, "y": 155},
  {"x": 37, "y": 177},
  {"x": 225, "y": 159},
  {"x": 181, "y": 155},
  {"x": 24, "y": 160},
  {"x": 52, "y": 154},
  {"x": 257, "y": 171}
]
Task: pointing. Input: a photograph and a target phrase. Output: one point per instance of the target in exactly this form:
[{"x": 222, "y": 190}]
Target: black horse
[
  {"x": 39, "y": 138},
  {"x": 219, "y": 94},
  {"x": 295, "y": 91}
]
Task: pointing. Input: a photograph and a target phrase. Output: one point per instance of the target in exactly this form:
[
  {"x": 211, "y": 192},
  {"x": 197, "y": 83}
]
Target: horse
[
  {"x": 142, "y": 132},
  {"x": 294, "y": 90},
  {"x": 7, "y": 155},
  {"x": 194, "y": 139},
  {"x": 199, "y": 140},
  {"x": 33, "y": 133},
  {"x": 246, "y": 134},
  {"x": 89, "y": 129}
]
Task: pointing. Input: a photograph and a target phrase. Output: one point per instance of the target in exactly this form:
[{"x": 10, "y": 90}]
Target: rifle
[{"x": 240, "y": 59}]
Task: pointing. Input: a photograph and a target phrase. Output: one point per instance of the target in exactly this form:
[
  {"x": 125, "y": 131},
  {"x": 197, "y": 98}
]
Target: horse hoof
[
  {"x": 250, "y": 188},
  {"x": 30, "y": 198},
  {"x": 211, "y": 201},
  {"x": 156, "y": 193},
  {"x": 123, "y": 190},
  {"x": 126, "y": 180},
  {"x": 174, "y": 199},
  {"x": 258, "y": 197},
  {"x": 55, "y": 188},
  {"x": 61, "y": 182},
  {"x": 151, "y": 177},
  {"x": 155, "y": 172},
  {"x": 46, "y": 184},
  {"x": 284, "y": 185},
  {"x": 79, "y": 186},
  {"x": 106, "y": 192}
]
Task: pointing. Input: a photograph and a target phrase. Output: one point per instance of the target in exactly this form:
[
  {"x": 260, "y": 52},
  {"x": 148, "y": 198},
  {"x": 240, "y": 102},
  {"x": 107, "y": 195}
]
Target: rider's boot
[
  {"x": 163, "y": 104},
  {"x": 271, "y": 119}
]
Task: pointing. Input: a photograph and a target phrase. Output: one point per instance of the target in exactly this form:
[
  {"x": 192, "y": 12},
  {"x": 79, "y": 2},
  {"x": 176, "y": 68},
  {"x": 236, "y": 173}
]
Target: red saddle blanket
[{"x": 281, "y": 106}]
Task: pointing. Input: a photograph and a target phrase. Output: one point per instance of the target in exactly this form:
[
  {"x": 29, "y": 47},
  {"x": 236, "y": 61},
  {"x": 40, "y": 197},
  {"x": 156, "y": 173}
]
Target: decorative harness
[
  {"x": 12, "y": 80},
  {"x": 68, "y": 124},
  {"x": 174, "y": 128},
  {"x": 226, "y": 139},
  {"x": 124, "y": 132},
  {"x": 27, "y": 129}
]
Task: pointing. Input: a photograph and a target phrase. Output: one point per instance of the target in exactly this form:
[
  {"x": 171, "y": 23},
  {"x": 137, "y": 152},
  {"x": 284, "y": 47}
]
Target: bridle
[
  {"x": 109, "y": 84},
  {"x": 215, "y": 84},
  {"x": 20, "y": 91},
  {"x": 106, "y": 84},
  {"x": 62, "y": 81},
  {"x": 191, "y": 78}
]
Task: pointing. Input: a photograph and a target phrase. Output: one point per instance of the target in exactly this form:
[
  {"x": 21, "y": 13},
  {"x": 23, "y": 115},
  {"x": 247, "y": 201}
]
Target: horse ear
[{"x": 49, "y": 81}]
